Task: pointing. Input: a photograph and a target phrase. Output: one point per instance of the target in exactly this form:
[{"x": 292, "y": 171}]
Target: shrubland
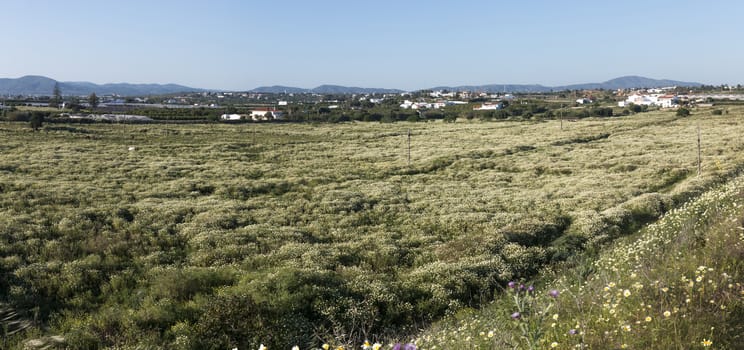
[{"x": 220, "y": 236}]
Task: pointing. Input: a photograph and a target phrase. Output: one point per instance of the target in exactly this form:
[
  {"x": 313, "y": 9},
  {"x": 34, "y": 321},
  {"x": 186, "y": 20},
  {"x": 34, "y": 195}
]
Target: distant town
[{"x": 423, "y": 105}]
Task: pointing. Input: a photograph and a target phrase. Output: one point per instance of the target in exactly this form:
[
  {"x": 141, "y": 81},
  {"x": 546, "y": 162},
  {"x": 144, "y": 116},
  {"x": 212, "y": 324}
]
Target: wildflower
[
  {"x": 572, "y": 331},
  {"x": 516, "y": 315},
  {"x": 665, "y": 289},
  {"x": 367, "y": 345},
  {"x": 407, "y": 346},
  {"x": 554, "y": 345},
  {"x": 626, "y": 293},
  {"x": 340, "y": 347},
  {"x": 667, "y": 313},
  {"x": 554, "y": 293},
  {"x": 262, "y": 347},
  {"x": 706, "y": 342},
  {"x": 295, "y": 347},
  {"x": 626, "y": 328},
  {"x": 376, "y": 346},
  {"x": 648, "y": 318},
  {"x": 326, "y": 346},
  {"x": 624, "y": 346},
  {"x": 555, "y": 317},
  {"x": 490, "y": 334},
  {"x": 512, "y": 284},
  {"x": 531, "y": 289}
]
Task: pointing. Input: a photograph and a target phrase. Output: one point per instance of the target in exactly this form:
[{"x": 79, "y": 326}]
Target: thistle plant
[{"x": 531, "y": 313}]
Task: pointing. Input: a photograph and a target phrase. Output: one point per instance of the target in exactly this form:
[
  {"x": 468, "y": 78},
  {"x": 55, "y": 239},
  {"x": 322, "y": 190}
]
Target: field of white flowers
[{"x": 221, "y": 236}]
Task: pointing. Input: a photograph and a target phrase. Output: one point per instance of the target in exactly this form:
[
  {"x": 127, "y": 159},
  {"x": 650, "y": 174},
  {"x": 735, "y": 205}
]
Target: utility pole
[{"x": 409, "y": 148}]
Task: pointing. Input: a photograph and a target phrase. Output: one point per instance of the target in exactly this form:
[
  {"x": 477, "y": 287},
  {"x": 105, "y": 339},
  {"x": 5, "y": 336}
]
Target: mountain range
[
  {"x": 627, "y": 82},
  {"x": 38, "y": 85}
]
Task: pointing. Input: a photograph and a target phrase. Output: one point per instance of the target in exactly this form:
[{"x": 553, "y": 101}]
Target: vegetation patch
[{"x": 284, "y": 234}]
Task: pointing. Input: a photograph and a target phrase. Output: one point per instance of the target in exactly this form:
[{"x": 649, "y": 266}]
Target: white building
[
  {"x": 640, "y": 100},
  {"x": 663, "y": 101},
  {"x": 266, "y": 114},
  {"x": 231, "y": 117},
  {"x": 489, "y": 107}
]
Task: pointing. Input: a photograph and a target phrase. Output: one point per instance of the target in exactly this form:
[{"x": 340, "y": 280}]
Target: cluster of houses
[
  {"x": 259, "y": 114},
  {"x": 659, "y": 100}
]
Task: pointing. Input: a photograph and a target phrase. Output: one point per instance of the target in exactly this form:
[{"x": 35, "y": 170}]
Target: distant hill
[
  {"x": 627, "y": 82},
  {"x": 38, "y": 85},
  {"x": 324, "y": 89}
]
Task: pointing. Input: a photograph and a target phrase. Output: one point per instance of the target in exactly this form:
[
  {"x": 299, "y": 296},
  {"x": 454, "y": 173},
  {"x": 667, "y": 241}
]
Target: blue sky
[{"x": 239, "y": 45}]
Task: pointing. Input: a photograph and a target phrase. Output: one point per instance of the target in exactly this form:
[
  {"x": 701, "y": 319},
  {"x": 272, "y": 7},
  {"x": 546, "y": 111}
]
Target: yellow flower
[
  {"x": 626, "y": 328},
  {"x": 706, "y": 342},
  {"x": 624, "y": 346},
  {"x": 490, "y": 334},
  {"x": 326, "y": 346},
  {"x": 626, "y": 293},
  {"x": 665, "y": 289},
  {"x": 648, "y": 318},
  {"x": 376, "y": 346},
  {"x": 554, "y": 345},
  {"x": 555, "y": 317},
  {"x": 339, "y": 347},
  {"x": 667, "y": 313}
]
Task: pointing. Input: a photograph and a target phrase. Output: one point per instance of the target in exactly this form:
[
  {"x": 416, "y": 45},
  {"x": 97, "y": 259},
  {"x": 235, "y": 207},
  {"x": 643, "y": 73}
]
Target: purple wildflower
[
  {"x": 512, "y": 284},
  {"x": 521, "y": 287},
  {"x": 530, "y": 289},
  {"x": 516, "y": 315},
  {"x": 407, "y": 346},
  {"x": 554, "y": 293},
  {"x": 572, "y": 331}
]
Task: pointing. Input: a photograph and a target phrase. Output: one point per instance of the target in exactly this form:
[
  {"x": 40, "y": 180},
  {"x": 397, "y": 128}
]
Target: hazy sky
[{"x": 239, "y": 45}]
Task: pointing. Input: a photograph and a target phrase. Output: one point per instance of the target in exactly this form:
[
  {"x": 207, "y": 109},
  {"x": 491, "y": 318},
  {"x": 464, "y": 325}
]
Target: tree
[
  {"x": 683, "y": 112},
  {"x": 93, "y": 100},
  {"x": 36, "y": 120},
  {"x": 56, "y": 99}
]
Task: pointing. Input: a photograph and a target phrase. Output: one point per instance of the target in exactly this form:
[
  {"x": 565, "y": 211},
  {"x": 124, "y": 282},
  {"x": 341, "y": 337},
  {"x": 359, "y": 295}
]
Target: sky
[{"x": 409, "y": 45}]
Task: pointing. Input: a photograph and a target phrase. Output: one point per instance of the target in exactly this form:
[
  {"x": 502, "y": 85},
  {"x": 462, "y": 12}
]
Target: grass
[
  {"x": 676, "y": 284},
  {"x": 324, "y": 231}
]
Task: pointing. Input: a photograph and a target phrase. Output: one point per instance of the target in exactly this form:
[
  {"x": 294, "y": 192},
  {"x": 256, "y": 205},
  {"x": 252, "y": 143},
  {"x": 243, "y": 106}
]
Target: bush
[{"x": 683, "y": 112}]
